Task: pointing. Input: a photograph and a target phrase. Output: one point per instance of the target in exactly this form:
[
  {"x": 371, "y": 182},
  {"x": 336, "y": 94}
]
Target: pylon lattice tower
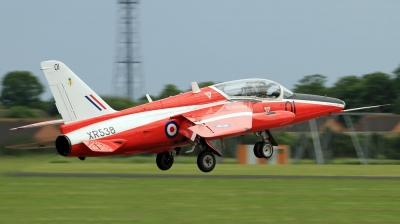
[{"x": 128, "y": 77}]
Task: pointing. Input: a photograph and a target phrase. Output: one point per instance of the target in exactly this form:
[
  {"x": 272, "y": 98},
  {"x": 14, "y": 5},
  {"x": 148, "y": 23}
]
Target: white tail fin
[{"x": 75, "y": 100}]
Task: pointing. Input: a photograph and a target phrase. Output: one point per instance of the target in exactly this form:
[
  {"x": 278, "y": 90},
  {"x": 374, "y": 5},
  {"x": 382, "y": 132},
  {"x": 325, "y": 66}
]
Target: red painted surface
[{"x": 152, "y": 138}]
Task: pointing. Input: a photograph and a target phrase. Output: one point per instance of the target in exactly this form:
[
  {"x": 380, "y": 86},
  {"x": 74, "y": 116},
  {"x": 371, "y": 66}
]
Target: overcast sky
[{"x": 208, "y": 40}]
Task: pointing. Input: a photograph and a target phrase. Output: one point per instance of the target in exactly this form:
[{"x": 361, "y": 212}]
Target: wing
[
  {"x": 61, "y": 121},
  {"x": 221, "y": 120}
]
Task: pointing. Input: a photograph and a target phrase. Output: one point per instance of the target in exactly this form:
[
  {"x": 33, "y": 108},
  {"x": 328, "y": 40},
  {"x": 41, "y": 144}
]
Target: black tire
[
  {"x": 257, "y": 149},
  {"x": 206, "y": 161},
  {"x": 266, "y": 150},
  {"x": 164, "y": 160}
]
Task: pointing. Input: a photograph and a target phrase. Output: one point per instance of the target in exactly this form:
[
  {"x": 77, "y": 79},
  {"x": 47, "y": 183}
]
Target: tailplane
[{"x": 75, "y": 100}]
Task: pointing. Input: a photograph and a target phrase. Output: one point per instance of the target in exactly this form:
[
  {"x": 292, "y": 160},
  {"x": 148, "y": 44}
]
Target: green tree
[
  {"x": 396, "y": 82},
  {"x": 50, "y": 107},
  {"x": 378, "y": 89},
  {"x": 396, "y": 105},
  {"x": 144, "y": 100},
  {"x": 349, "y": 89},
  {"x": 20, "y": 112},
  {"x": 169, "y": 90},
  {"x": 205, "y": 84},
  {"x": 312, "y": 84},
  {"x": 397, "y": 71},
  {"x": 20, "y": 88},
  {"x": 119, "y": 103}
]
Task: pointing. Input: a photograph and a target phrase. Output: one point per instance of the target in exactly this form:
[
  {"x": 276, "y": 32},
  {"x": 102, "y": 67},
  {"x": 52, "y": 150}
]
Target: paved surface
[{"x": 116, "y": 175}]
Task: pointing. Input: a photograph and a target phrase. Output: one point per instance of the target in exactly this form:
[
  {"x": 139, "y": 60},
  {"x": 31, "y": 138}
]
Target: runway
[{"x": 191, "y": 176}]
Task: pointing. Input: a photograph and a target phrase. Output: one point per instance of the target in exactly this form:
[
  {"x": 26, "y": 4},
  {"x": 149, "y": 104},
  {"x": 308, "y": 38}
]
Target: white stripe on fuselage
[
  {"x": 316, "y": 102},
  {"x": 225, "y": 116},
  {"x": 131, "y": 121}
]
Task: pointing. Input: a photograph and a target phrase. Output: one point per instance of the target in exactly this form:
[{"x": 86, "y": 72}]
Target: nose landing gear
[{"x": 264, "y": 148}]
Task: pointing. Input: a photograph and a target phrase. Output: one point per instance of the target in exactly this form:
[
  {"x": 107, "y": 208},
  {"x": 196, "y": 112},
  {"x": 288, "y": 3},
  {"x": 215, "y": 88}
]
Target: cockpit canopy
[{"x": 258, "y": 89}]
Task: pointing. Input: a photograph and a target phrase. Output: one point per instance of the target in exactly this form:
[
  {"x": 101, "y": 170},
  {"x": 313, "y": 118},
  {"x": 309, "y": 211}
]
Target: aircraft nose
[
  {"x": 344, "y": 104},
  {"x": 327, "y": 99}
]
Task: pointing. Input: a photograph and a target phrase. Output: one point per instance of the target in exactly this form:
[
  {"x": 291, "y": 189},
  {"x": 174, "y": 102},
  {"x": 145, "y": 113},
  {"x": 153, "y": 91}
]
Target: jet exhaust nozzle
[{"x": 63, "y": 145}]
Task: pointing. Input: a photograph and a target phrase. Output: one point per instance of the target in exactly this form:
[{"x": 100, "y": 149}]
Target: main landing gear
[
  {"x": 165, "y": 160},
  {"x": 264, "y": 148},
  {"x": 205, "y": 160}
]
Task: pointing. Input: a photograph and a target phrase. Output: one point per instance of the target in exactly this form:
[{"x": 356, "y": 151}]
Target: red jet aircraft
[{"x": 90, "y": 127}]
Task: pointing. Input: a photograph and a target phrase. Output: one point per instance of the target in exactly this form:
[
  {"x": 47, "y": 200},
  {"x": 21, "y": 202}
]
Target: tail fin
[{"x": 75, "y": 100}]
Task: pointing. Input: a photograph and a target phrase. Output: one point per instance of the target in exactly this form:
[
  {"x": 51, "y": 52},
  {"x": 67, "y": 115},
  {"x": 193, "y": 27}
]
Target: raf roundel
[{"x": 171, "y": 129}]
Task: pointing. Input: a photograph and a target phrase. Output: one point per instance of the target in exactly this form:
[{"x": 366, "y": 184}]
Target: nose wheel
[
  {"x": 256, "y": 149},
  {"x": 206, "y": 161},
  {"x": 264, "y": 148}
]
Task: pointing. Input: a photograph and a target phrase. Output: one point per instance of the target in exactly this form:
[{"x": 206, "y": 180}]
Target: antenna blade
[
  {"x": 149, "y": 98},
  {"x": 195, "y": 87}
]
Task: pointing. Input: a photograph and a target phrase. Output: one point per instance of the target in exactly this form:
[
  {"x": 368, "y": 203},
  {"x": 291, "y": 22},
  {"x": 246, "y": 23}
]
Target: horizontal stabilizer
[
  {"x": 61, "y": 121},
  {"x": 104, "y": 145},
  {"x": 363, "y": 108},
  {"x": 36, "y": 145}
]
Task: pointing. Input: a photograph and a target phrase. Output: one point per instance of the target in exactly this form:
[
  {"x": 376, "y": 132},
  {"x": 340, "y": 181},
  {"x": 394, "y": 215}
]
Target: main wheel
[
  {"x": 257, "y": 149},
  {"x": 266, "y": 150},
  {"x": 206, "y": 161},
  {"x": 164, "y": 160}
]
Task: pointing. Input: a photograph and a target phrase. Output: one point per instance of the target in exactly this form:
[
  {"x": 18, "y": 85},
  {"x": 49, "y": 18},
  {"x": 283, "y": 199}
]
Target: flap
[
  {"x": 221, "y": 120},
  {"x": 104, "y": 145}
]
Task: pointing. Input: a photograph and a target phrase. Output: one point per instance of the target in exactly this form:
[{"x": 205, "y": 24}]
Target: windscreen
[{"x": 261, "y": 89}]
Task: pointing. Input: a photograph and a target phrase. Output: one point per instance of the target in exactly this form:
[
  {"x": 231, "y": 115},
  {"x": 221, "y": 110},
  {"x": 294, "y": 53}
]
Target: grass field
[{"x": 198, "y": 200}]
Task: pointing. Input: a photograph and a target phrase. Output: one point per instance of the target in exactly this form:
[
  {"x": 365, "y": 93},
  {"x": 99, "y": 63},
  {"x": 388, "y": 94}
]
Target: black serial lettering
[
  {"x": 95, "y": 134},
  {"x": 90, "y": 135},
  {"x": 101, "y": 133}
]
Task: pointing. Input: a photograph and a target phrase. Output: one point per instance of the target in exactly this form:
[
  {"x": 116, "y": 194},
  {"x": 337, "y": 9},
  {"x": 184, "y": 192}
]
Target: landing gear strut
[{"x": 264, "y": 148}]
